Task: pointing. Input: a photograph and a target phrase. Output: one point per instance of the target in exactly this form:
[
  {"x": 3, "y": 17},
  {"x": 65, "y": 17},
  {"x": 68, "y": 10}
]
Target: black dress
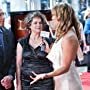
[{"x": 35, "y": 60}]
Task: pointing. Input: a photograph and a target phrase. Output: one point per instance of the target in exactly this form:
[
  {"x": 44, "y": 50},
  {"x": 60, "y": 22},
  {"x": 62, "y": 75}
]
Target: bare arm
[
  {"x": 69, "y": 50},
  {"x": 18, "y": 65},
  {"x": 47, "y": 49}
]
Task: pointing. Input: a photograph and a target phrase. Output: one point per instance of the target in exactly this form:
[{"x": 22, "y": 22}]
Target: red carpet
[{"x": 85, "y": 77}]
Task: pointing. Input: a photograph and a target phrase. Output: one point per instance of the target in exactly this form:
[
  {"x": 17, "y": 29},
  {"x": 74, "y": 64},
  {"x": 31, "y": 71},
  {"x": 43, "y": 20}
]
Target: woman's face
[
  {"x": 55, "y": 20},
  {"x": 36, "y": 25}
]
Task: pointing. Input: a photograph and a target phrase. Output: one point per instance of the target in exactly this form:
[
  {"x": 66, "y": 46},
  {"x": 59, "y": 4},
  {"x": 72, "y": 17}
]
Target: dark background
[{"x": 15, "y": 16}]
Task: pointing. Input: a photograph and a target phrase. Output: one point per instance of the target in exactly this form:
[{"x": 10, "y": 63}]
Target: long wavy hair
[{"x": 65, "y": 13}]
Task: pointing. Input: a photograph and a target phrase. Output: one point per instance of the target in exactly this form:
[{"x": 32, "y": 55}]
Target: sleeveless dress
[
  {"x": 70, "y": 80},
  {"x": 34, "y": 60}
]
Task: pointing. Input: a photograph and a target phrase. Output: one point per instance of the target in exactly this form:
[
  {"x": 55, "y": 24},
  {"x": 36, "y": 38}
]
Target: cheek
[
  {"x": 55, "y": 22},
  {"x": 32, "y": 26},
  {"x": 42, "y": 26}
]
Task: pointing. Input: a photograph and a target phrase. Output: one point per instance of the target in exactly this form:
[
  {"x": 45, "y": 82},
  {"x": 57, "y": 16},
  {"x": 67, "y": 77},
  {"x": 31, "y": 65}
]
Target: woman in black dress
[{"x": 31, "y": 56}]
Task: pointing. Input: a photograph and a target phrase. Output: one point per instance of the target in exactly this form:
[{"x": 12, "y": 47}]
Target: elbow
[
  {"x": 65, "y": 69},
  {"x": 18, "y": 65}
]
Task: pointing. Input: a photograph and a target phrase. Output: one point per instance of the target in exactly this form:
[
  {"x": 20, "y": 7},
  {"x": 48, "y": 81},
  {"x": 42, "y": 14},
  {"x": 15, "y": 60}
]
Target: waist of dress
[
  {"x": 37, "y": 67},
  {"x": 37, "y": 61}
]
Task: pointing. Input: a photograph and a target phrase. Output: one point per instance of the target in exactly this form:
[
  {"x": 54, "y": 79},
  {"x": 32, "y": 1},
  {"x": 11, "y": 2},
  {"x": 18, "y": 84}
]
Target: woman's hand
[
  {"x": 47, "y": 48},
  {"x": 7, "y": 82},
  {"x": 37, "y": 77}
]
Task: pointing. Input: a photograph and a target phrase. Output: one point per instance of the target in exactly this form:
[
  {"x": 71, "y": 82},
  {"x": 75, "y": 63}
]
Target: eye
[
  {"x": 40, "y": 23},
  {"x": 37, "y": 22}
]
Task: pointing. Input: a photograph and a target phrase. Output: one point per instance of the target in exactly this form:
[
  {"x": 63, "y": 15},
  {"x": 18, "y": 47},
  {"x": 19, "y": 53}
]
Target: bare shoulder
[{"x": 70, "y": 40}]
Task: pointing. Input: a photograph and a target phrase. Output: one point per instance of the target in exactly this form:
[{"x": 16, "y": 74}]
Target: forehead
[{"x": 36, "y": 19}]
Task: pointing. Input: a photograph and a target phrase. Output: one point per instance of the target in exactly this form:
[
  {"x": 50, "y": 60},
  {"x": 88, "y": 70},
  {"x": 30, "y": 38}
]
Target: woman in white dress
[{"x": 64, "y": 50}]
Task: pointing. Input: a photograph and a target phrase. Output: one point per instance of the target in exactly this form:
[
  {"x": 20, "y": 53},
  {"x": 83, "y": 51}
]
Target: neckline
[
  {"x": 34, "y": 47},
  {"x": 31, "y": 45}
]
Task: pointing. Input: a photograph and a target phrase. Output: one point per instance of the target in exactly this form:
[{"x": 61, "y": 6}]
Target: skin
[
  {"x": 70, "y": 44},
  {"x": 35, "y": 40},
  {"x": 1, "y": 17}
]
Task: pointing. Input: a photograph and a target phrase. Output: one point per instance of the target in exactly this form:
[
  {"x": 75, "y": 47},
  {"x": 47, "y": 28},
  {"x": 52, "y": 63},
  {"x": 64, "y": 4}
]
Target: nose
[{"x": 39, "y": 24}]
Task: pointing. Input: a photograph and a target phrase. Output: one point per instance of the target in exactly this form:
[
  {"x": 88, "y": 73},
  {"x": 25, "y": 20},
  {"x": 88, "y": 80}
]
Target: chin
[{"x": 38, "y": 31}]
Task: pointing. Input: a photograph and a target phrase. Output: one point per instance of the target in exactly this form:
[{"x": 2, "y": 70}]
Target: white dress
[{"x": 69, "y": 80}]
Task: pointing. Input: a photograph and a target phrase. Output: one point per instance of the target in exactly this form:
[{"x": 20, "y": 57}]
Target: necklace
[{"x": 35, "y": 42}]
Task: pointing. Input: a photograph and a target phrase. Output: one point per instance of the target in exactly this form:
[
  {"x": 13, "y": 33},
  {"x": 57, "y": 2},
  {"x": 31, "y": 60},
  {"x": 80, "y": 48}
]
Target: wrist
[
  {"x": 43, "y": 76},
  {"x": 11, "y": 77},
  {"x": 46, "y": 76}
]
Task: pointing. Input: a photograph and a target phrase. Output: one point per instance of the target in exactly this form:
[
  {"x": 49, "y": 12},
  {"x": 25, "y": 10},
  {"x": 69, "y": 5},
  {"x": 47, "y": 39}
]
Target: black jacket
[{"x": 7, "y": 53}]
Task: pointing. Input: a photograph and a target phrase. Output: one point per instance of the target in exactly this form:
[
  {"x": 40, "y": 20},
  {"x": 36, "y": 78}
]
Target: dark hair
[{"x": 29, "y": 17}]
